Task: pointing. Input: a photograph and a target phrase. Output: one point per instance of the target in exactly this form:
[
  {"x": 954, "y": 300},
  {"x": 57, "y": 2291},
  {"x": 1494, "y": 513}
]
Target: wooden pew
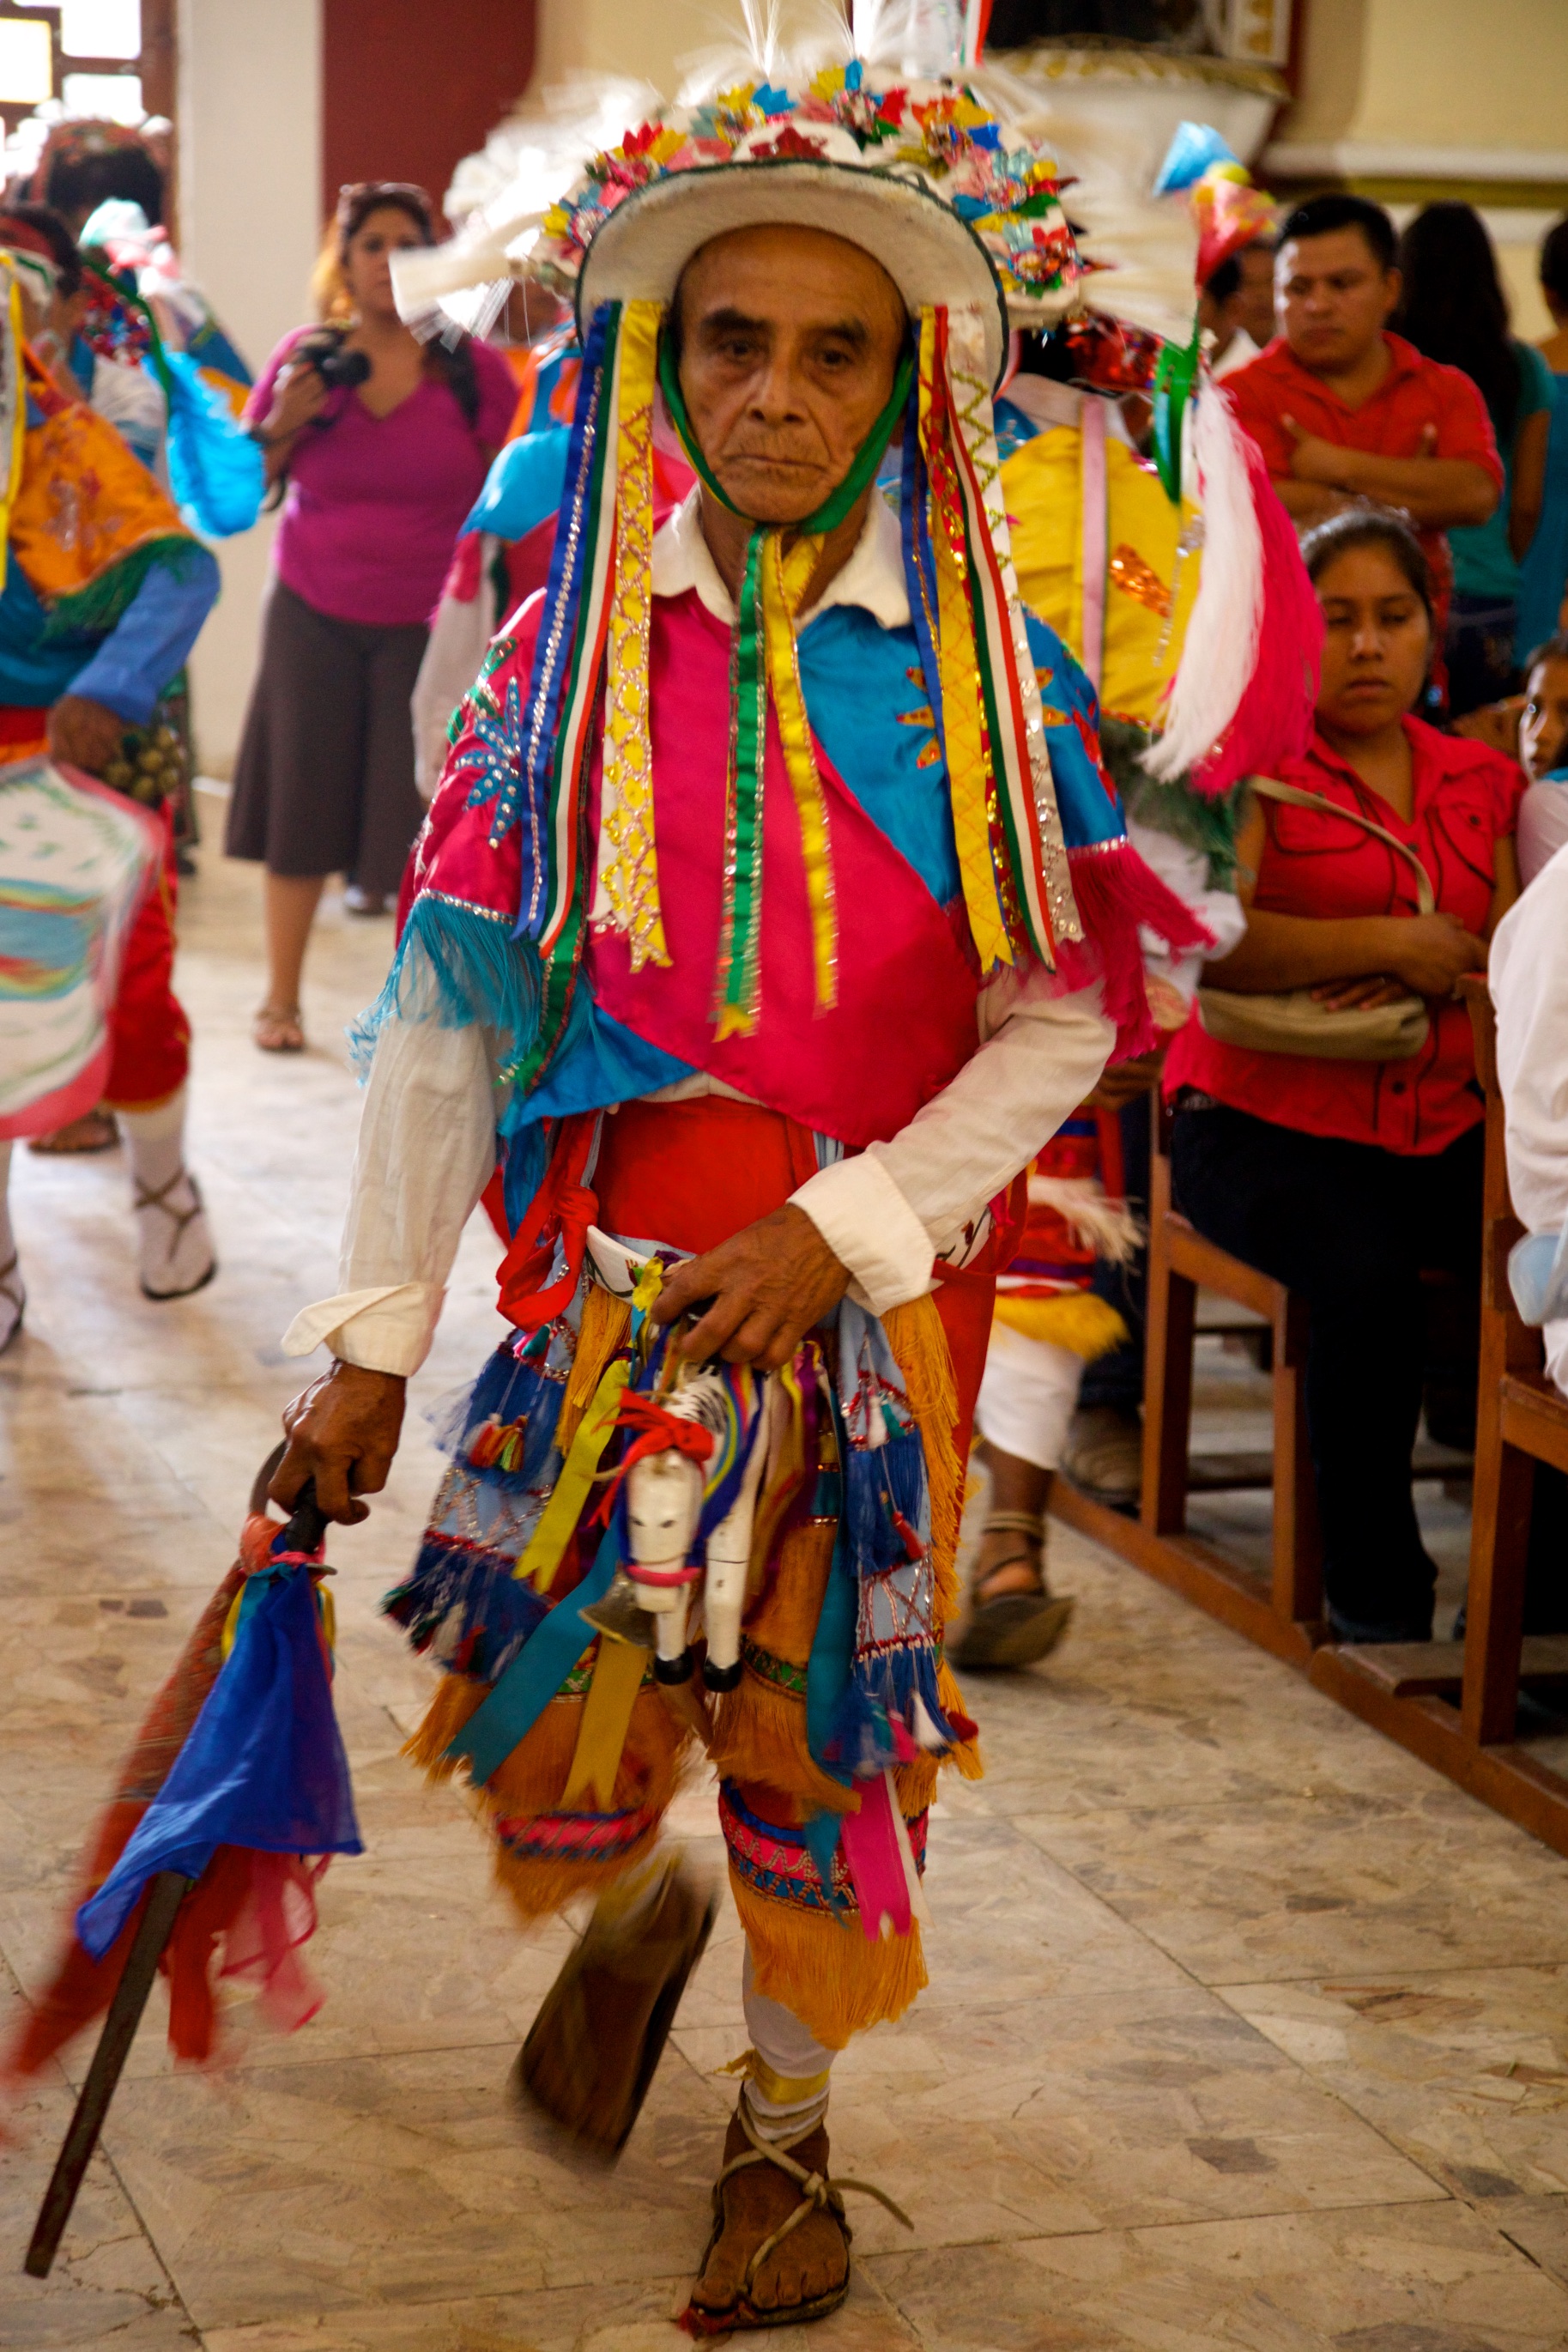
[{"x": 1455, "y": 1704}]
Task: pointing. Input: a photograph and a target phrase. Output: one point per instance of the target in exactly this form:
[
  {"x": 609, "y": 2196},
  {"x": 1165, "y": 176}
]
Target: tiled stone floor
[{"x": 1245, "y": 2030}]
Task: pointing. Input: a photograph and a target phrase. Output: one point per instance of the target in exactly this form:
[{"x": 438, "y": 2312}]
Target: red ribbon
[
  {"x": 660, "y": 1432},
  {"x": 560, "y": 1210}
]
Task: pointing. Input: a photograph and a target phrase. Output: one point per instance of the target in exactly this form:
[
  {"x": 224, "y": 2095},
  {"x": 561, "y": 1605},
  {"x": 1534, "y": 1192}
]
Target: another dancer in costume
[
  {"x": 105, "y": 593},
  {"x": 1112, "y": 547},
  {"x": 766, "y": 928}
]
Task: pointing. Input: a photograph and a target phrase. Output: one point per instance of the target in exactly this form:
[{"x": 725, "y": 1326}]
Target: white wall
[{"x": 250, "y": 220}]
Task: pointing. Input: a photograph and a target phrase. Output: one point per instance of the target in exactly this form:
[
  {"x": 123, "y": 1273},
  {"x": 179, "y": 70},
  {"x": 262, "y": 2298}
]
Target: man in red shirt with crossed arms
[{"x": 1341, "y": 409}]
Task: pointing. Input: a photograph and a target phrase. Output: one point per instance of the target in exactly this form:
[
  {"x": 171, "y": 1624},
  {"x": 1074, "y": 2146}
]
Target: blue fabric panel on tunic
[
  {"x": 601, "y": 1060},
  {"x": 1085, "y": 795},
  {"x": 866, "y": 699}
]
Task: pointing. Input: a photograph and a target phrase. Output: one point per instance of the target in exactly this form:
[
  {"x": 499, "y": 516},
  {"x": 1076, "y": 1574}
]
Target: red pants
[
  {"x": 692, "y": 1173},
  {"x": 150, "y": 1036}
]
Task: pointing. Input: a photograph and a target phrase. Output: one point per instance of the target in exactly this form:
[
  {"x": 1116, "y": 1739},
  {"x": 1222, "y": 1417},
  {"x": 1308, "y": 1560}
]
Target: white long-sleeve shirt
[
  {"x": 1528, "y": 980},
  {"x": 427, "y": 1145}
]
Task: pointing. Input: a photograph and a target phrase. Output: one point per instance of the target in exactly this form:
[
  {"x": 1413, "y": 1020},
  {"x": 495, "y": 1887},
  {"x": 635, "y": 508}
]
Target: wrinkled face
[
  {"x": 790, "y": 344},
  {"x": 1377, "y": 641},
  {"x": 1333, "y": 296},
  {"x": 1544, "y": 722},
  {"x": 366, "y": 261}
]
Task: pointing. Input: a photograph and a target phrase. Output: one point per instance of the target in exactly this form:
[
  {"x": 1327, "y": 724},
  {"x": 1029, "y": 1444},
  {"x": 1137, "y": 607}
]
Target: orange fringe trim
[
  {"x": 834, "y": 1979},
  {"x": 534, "y": 1777},
  {"x": 762, "y": 1739},
  {"x": 760, "y": 1735},
  {"x": 966, "y": 1754},
  {"x": 920, "y": 1350},
  {"x": 601, "y": 1336},
  {"x": 538, "y": 1888}
]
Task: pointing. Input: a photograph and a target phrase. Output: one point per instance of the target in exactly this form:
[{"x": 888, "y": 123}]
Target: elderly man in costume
[
  {"x": 105, "y": 593},
  {"x": 765, "y": 929}
]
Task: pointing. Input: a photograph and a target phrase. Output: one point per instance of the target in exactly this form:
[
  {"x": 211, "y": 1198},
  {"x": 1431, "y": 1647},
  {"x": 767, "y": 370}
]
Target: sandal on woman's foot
[
  {"x": 779, "y": 2252},
  {"x": 95, "y": 1130},
  {"x": 1014, "y": 1629},
  {"x": 13, "y": 1300},
  {"x": 278, "y": 1030}
]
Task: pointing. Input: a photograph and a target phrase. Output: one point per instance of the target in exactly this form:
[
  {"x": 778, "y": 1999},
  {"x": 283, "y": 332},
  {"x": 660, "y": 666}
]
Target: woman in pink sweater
[{"x": 384, "y": 443}]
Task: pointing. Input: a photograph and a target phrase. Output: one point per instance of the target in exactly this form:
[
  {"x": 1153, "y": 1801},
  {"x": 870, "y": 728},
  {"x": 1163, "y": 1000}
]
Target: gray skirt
[{"x": 324, "y": 779}]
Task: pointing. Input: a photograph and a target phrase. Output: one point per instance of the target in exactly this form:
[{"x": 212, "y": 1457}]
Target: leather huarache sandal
[
  {"x": 95, "y": 1130},
  {"x": 1015, "y": 1628},
  {"x": 13, "y": 1301},
  {"x": 597, "y": 2040},
  {"x": 278, "y": 1029},
  {"x": 175, "y": 1257},
  {"x": 777, "y": 2206}
]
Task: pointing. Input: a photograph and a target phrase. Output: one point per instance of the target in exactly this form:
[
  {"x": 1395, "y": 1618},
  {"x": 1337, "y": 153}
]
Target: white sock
[
  {"x": 157, "y": 1139},
  {"x": 785, "y": 2090},
  {"x": 174, "y": 1249}
]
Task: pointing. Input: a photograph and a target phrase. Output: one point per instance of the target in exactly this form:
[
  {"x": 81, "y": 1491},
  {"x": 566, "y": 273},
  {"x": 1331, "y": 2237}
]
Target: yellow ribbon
[
  {"x": 784, "y": 578},
  {"x": 783, "y": 2090},
  {"x": 561, "y": 1513},
  {"x": 970, "y": 783},
  {"x": 606, "y": 1717},
  {"x": 631, "y": 873}
]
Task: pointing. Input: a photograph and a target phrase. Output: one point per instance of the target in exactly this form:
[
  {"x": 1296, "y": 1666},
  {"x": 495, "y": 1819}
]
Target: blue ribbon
[
  {"x": 570, "y": 559},
  {"x": 536, "y": 1674},
  {"x": 919, "y": 563}
]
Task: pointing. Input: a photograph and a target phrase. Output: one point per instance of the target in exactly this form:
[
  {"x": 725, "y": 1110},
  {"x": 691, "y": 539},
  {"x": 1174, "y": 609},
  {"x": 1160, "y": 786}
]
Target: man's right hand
[{"x": 342, "y": 1431}]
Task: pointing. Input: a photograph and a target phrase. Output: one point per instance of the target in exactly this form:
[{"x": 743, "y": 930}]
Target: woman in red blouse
[{"x": 1346, "y": 1179}]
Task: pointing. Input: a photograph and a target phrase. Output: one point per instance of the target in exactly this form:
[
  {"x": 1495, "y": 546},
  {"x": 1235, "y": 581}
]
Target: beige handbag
[{"x": 1291, "y": 1019}]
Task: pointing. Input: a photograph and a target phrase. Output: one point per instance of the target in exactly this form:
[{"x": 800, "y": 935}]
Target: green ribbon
[
  {"x": 749, "y": 671},
  {"x": 1172, "y": 389}
]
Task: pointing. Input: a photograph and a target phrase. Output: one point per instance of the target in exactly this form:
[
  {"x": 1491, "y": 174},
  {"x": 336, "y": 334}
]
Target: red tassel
[{"x": 1115, "y": 892}]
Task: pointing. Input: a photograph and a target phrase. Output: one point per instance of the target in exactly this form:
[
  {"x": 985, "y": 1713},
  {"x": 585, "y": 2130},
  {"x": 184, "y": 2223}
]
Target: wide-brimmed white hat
[{"x": 958, "y": 207}]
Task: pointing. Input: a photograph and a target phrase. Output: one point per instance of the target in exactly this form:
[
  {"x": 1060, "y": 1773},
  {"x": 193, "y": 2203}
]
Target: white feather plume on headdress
[{"x": 500, "y": 195}]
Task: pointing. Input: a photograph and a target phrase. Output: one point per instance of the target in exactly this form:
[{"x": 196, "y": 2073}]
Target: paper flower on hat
[
  {"x": 1230, "y": 213},
  {"x": 958, "y": 206}
]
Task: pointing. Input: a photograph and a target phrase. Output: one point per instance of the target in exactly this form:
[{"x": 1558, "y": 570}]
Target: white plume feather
[{"x": 1221, "y": 648}]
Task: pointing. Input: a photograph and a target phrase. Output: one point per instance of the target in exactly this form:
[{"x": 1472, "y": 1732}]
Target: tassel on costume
[
  {"x": 606, "y": 1320},
  {"x": 920, "y": 1350},
  {"x": 1079, "y": 1320},
  {"x": 1116, "y": 892}
]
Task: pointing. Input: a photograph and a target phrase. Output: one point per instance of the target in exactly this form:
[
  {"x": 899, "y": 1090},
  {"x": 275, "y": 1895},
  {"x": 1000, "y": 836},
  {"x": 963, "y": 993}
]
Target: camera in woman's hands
[{"x": 338, "y": 368}]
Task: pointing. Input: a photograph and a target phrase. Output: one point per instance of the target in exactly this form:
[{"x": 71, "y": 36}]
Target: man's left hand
[
  {"x": 86, "y": 734},
  {"x": 768, "y": 1284},
  {"x": 1314, "y": 460}
]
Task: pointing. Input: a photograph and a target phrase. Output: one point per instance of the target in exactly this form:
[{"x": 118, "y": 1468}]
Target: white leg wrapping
[
  {"x": 173, "y": 1247},
  {"x": 788, "y": 2093}
]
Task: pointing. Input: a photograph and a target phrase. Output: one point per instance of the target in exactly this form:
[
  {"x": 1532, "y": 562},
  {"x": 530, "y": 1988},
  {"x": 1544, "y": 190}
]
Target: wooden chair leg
[
  {"x": 1169, "y": 1317},
  {"x": 1494, "y": 1607},
  {"x": 1298, "y": 1581}
]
